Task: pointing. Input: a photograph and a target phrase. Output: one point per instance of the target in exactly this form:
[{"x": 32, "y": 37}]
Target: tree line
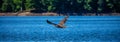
[{"x": 61, "y": 6}]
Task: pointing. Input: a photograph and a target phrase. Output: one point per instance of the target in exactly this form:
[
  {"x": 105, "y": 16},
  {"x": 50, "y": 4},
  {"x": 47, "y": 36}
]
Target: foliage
[
  {"x": 48, "y": 5},
  {"x": 7, "y": 6},
  {"x": 17, "y": 5},
  {"x": 94, "y": 6},
  {"x": 28, "y": 4}
]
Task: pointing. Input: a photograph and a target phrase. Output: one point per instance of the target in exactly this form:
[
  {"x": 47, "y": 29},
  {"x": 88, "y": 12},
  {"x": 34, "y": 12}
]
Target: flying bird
[{"x": 61, "y": 24}]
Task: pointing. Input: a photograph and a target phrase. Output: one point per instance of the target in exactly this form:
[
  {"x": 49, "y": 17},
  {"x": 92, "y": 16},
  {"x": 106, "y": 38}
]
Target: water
[{"x": 79, "y": 28}]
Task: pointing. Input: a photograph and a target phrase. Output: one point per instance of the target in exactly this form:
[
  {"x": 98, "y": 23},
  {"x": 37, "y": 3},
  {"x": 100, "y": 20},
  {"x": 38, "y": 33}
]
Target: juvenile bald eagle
[{"x": 61, "y": 24}]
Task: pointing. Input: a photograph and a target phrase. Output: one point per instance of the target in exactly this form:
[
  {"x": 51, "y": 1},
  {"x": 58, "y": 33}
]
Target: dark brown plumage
[{"x": 61, "y": 24}]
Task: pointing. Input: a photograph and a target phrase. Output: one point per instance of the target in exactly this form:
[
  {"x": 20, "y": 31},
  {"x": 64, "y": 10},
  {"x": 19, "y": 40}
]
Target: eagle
[{"x": 61, "y": 24}]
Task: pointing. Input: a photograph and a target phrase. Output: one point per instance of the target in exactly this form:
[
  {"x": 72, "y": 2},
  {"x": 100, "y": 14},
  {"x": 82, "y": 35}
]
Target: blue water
[{"x": 79, "y": 28}]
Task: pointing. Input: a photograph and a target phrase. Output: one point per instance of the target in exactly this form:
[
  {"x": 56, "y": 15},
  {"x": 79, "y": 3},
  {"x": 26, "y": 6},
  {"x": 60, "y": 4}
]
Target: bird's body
[{"x": 61, "y": 24}]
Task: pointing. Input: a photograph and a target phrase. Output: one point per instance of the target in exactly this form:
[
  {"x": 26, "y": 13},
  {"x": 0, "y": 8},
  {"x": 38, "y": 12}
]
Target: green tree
[
  {"x": 87, "y": 5},
  {"x": 95, "y": 6},
  {"x": 48, "y": 5},
  {"x": 7, "y": 6},
  {"x": 116, "y": 6},
  {"x": 28, "y": 4},
  {"x": 17, "y": 5}
]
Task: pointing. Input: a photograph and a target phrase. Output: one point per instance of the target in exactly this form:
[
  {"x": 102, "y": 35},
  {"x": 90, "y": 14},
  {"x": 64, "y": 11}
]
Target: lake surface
[{"x": 79, "y": 28}]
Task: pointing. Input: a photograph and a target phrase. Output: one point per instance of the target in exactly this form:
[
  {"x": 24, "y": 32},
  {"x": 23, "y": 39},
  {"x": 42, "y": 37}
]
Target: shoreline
[{"x": 59, "y": 14}]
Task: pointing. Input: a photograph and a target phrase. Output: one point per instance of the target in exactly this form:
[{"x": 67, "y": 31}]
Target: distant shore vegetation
[{"x": 61, "y": 6}]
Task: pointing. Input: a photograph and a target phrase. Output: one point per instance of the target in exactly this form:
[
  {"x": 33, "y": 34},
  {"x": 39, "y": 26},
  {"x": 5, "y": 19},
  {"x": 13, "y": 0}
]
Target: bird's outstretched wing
[
  {"x": 51, "y": 23},
  {"x": 62, "y": 22}
]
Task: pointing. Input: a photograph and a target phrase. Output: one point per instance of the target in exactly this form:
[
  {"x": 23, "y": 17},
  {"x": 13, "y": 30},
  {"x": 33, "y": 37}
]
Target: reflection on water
[{"x": 79, "y": 28}]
